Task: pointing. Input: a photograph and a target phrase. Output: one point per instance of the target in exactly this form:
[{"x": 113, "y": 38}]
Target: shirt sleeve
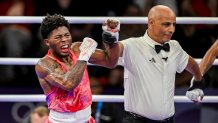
[
  {"x": 121, "y": 59},
  {"x": 183, "y": 58}
]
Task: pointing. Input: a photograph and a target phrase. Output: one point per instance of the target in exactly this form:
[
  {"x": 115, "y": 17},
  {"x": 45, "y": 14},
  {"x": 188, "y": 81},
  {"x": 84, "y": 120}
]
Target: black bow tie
[{"x": 165, "y": 47}]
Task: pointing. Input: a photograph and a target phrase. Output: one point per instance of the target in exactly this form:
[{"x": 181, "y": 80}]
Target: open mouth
[{"x": 65, "y": 48}]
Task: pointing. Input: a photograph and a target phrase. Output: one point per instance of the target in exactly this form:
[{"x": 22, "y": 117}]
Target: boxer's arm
[
  {"x": 67, "y": 81},
  {"x": 209, "y": 58},
  {"x": 71, "y": 79},
  {"x": 195, "y": 91},
  {"x": 107, "y": 57},
  {"x": 193, "y": 68}
]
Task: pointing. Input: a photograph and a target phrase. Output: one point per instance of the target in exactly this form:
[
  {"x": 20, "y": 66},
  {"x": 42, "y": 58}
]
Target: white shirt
[{"x": 149, "y": 81}]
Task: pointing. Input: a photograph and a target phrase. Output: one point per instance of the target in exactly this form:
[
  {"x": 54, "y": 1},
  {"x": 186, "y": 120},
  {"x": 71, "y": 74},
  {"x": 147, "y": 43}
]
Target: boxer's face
[{"x": 59, "y": 41}]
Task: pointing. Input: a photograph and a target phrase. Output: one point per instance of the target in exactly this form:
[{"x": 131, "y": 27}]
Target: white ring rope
[
  {"x": 99, "y": 20},
  {"x": 33, "y": 61},
  {"x": 96, "y": 98},
  {"x": 18, "y": 61}
]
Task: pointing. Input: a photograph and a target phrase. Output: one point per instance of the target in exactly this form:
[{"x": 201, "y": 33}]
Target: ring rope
[
  {"x": 96, "y": 98},
  {"x": 99, "y": 20},
  {"x": 33, "y": 61}
]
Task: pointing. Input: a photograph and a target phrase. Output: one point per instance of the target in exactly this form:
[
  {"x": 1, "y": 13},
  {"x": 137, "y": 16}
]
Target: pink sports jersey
[{"x": 70, "y": 101}]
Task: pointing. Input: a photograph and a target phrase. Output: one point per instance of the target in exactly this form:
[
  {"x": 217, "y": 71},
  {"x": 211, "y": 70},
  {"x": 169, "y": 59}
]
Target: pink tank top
[{"x": 70, "y": 101}]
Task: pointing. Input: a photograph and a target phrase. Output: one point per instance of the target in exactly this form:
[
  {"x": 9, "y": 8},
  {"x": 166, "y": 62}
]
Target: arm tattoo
[
  {"x": 106, "y": 53},
  {"x": 47, "y": 66},
  {"x": 75, "y": 74}
]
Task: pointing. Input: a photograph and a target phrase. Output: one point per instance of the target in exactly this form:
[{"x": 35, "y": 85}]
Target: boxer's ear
[{"x": 46, "y": 42}]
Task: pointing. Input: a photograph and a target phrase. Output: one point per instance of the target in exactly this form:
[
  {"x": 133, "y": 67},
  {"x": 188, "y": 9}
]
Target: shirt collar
[{"x": 150, "y": 41}]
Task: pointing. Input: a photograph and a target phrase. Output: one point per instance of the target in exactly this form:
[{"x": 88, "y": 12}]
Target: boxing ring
[{"x": 93, "y": 20}]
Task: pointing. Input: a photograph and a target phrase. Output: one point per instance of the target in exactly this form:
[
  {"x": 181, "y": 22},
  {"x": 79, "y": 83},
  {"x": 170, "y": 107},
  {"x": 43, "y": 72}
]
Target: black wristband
[
  {"x": 198, "y": 84},
  {"x": 108, "y": 38}
]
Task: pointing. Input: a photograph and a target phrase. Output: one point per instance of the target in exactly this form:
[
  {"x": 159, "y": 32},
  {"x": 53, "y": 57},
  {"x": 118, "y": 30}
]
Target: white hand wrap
[
  {"x": 87, "y": 47},
  {"x": 112, "y": 26},
  {"x": 195, "y": 94}
]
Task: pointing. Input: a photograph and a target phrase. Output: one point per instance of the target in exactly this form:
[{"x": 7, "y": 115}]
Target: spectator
[
  {"x": 104, "y": 112},
  {"x": 135, "y": 30},
  {"x": 39, "y": 115},
  {"x": 16, "y": 39}
]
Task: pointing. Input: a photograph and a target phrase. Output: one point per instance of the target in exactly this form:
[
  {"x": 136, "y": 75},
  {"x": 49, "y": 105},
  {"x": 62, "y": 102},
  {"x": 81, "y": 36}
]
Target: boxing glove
[{"x": 87, "y": 48}]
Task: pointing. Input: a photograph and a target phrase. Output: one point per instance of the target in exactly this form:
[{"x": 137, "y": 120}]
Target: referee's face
[
  {"x": 164, "y": 28},
  {"x": 162, "y": 25}
]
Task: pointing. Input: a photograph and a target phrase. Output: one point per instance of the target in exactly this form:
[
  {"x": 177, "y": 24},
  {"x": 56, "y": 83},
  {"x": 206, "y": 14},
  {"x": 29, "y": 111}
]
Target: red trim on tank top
[{"x": 56, "y": 59}]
